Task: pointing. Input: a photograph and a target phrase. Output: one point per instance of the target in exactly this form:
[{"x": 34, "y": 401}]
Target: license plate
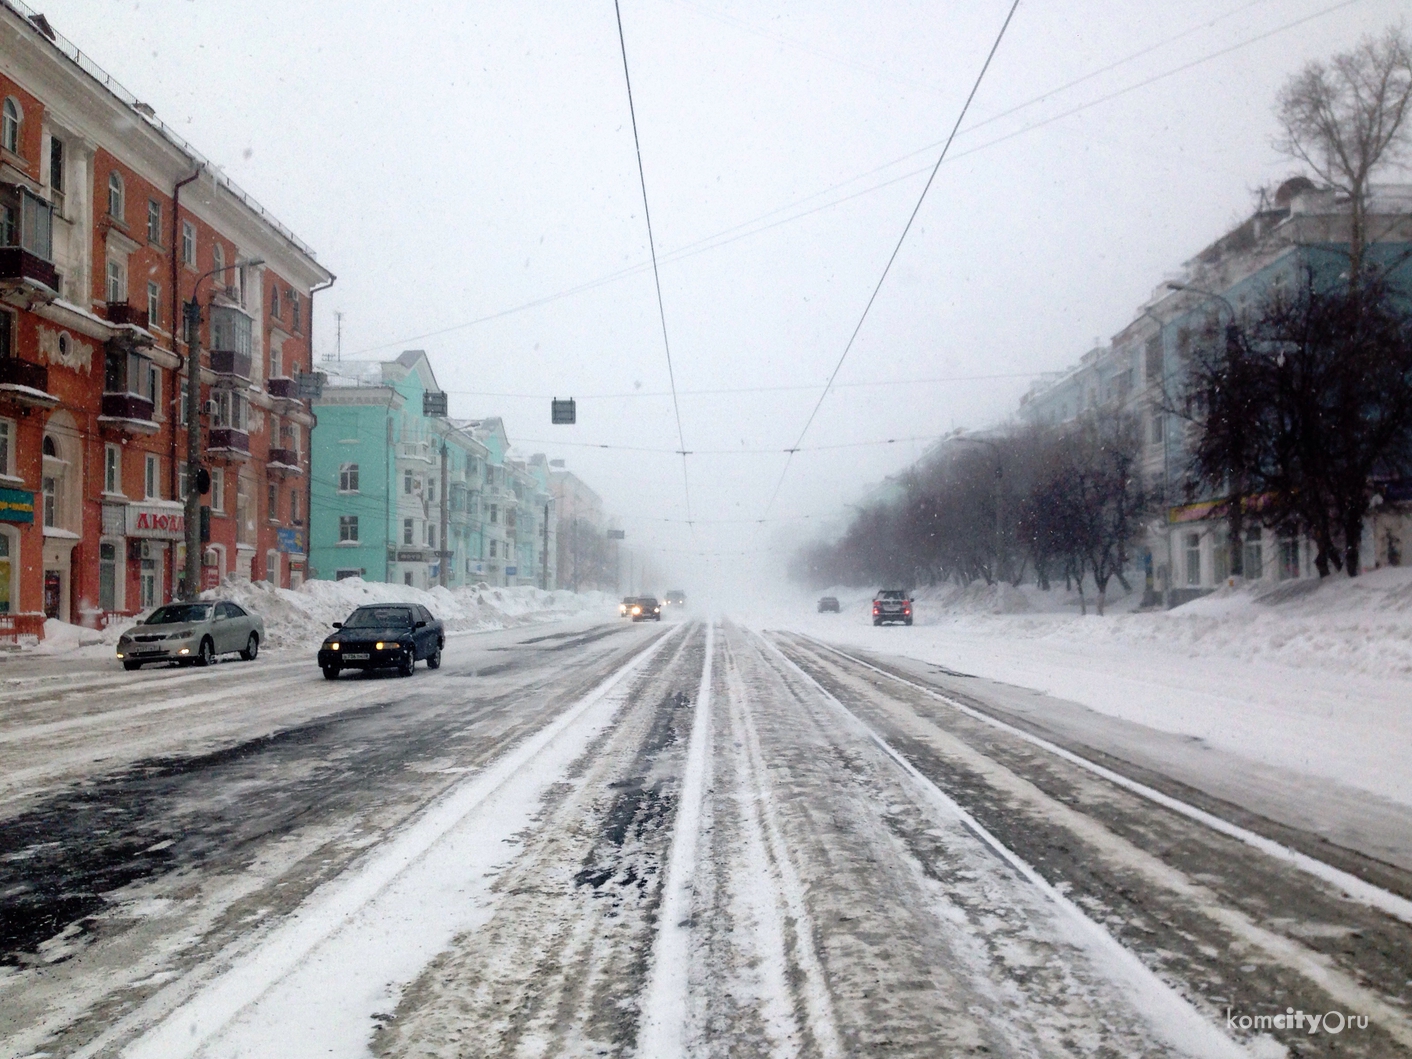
[
  {"x": 357, "y": 657},
  {"x": 149, "y": 651}
]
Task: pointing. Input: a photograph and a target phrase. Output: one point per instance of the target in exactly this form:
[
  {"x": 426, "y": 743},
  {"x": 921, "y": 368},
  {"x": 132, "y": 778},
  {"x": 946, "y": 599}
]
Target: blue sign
[
  {"x": 16, "y": 505},
  {"x": 291, "y": 540},
  {"x": 511, "y": 571}
]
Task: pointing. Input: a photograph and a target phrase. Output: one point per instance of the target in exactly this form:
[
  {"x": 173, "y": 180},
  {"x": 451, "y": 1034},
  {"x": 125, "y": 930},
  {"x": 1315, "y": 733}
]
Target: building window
[
  {"x": 345, "y": 574},
  {"x": 294, "y": 308},
  {"x": 494, "y": 513},
  {"x": 183, "y": 482},
  {"x": 188, "y": 243},
  {"x": 56, "y": 171},
  {"x": 274, "y": 302},
  {"x": 1193, "y": 559},
  {"x": 154, "y": 304},
  {"x": 494, "y": 546},
  {"x": 347, "y": 528},
  {"x": 107, "y": 576},
  {"x": 218, "y": 266},
  {"x": 10, "y": 127},
  {"x": 272, "y": 505},
  {"x": 1254, "y": 565},
  {"x": 407, "y": 482},
  {"x": 154, "y": 222},
  {"x": 7, "y": 433},
  {"x": 117, "y": 282},
  {"x": 112, "y": 469},
  {"x": 407, "y": 578},
  {"x": 152, "y": 482},
  {"x": 294, "y": 508},
  {"x": 218, "y": 490},
  {"x": 431, "y": 535},
  {"x": 408, "y": 531},
  {"x": 51, "y": 501},
  {"x": 348, "y": 478},
  {"x": 115, "y": 195}
]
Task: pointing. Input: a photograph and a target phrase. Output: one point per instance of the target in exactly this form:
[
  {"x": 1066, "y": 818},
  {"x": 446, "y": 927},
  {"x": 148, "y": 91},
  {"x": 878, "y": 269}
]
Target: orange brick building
[{"x": 108, "y": 222}]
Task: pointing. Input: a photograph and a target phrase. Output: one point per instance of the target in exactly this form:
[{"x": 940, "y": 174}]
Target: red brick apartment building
[{"x": 109, "y": 221}]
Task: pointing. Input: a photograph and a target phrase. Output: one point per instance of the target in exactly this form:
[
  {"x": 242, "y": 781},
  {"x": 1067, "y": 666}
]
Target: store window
[
  {"x": 1193, "y": 559},
  {"x": 7, "y": 434},
  {"x": 108, "y": 576},
  {"x": 6, "y": 598}
]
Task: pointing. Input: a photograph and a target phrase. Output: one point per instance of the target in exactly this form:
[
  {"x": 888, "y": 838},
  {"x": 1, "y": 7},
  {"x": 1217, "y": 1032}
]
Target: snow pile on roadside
[{"x": 301, "y": 617}]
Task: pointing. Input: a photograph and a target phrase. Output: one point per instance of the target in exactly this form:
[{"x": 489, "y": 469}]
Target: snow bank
[{"x": 301, "y": 617}]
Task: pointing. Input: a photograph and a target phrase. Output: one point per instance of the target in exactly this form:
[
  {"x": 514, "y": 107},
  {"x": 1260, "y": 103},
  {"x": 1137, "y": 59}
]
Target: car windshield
[
  {"x": 180, "y": 613},
  {"x": 379, "y": 618},
  {"x": 892, "y": 593}
]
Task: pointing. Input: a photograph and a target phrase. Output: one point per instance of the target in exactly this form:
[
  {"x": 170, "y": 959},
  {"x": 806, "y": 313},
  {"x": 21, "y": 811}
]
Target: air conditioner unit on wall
[{"x": 208, "y": 408}]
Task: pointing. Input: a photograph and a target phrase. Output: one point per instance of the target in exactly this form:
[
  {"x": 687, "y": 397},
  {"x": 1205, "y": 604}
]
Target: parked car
[
  {"x": 192, "y": 633},
  {"x": 675, "y": 597},
  {"x": 383, "y": 635},
  {"x": 891, "y": 605},
  {"x": 828, "y": 604},
  {"x": 645, "y": 608}
]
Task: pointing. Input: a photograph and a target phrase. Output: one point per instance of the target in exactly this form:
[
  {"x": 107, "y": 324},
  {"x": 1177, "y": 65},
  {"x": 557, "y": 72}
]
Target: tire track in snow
[{"x": 313, "y": 983}]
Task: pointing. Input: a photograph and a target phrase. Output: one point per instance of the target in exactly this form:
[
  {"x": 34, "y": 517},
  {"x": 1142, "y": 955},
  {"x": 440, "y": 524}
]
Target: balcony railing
[
  {"x": 284, "y": 388},
  {"x": 229, "y": 441},
  {"x": 123, "y": 313},
  {"x": 230, "y": 362},
  {"x": 18, "y": 263},
  {"x": 127, "y": 406},
  {"x": 17, "y": 372},
  {"x": 286, "y": 460}
]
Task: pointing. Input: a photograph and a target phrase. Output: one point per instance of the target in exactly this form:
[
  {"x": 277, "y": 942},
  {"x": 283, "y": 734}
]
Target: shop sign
[
  {"x": 512, "y": 571},
  {"x": 165, "y": 521},
  {"x": 410, "y": 557},
  {"x": 16, "y": 505},
  {"x": 210, "y": 577},
  {"x": 291, "y": 540}
]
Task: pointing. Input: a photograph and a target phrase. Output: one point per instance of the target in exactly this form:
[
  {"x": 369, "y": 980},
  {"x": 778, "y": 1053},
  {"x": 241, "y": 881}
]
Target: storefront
[
  {"x": 152, "y": 528},
  {"x": 16, "y": 509}
]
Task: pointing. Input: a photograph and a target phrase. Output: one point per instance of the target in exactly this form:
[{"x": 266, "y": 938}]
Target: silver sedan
[{"x": 192, "y": 633}]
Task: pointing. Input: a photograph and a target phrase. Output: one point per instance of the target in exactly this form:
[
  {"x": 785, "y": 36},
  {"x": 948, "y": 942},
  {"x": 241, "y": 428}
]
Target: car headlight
[
  {"x": 380, "y": 645},
  {"x": 333, "y": 646}
]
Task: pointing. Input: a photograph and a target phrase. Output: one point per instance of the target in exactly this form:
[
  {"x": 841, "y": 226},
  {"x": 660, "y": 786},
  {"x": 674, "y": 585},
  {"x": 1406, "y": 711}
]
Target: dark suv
[
  {"x": 383, "y": 635},
  {"x": 892, "y": 604},
  {"x": 645, "y": 608}
]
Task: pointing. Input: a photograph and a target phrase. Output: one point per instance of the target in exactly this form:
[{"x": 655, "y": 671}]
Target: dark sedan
[
  {"x": 383, "y": 635},
  {"x": 645, "y": 608}
]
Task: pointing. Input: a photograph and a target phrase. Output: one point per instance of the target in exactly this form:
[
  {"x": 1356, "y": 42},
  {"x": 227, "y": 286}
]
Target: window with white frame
[
  {"x": 188, "y": 243},
  {"x": 117, "y": 281},
  {"x": 431, "y": 534},
  {"x": 407, "y": 482},
  {"x": 274, "y": 302},
  {"x": 152, "y": 478},
  {"x": 1193, "y": 558},
  {"x": 218, "y": 264},
  {"x": 112, "y": 469},
  {"x": 294, "y": 507},
  {"x": 154, "y": 304},
  {"x": 115, "y": 195},
  {"x": 154, "y": 222},
  {"x": 7, "y": 441},
  {"x": 183, "y": 482},
  {"x": 10, "y": 126},
  {"x": 230, "y": 410},
  {"x": 272, "y": 503},
  {"x": 409, "y": 530},
  {"x": 347, "y": 529},
  {"x": 294, "y": 308},
  {"x": 348, "y": 478},
  {"x": 218, "y": 489}
]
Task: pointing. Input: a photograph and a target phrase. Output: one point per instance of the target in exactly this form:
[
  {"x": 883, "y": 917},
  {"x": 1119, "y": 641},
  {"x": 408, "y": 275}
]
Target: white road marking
[
  {"x": 1358, "y": 889},
  {"x": 313, "y": 983},
  {"x": 663, "y": 1030},
  {"x": 1171, "y": 1015}
]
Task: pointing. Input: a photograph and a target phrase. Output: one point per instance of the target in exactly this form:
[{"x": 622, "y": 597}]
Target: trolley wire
[{"x": 893, "y": 257}]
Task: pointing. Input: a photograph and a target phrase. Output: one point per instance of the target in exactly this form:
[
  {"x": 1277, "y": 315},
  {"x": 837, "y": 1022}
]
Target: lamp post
[{"x": 191, "y": 314}]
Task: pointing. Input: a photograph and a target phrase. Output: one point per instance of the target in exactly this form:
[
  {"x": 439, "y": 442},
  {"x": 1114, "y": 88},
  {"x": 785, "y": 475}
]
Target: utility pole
[
  {"x": 338, "y": 336},
  {"x": 544, "y": 551},
  {"x": 445, "y": 486},
  {"x": 191, "y": 313}
]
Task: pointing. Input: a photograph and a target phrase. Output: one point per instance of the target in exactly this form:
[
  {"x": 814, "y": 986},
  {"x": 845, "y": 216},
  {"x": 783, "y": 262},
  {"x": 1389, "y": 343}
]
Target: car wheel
[
  {"x": 407, "y": 665},
  {"x": 330, "y": 672},
  {"x": 907, "y": 622},
  {"x": 434, "y": 659},
  {"x": 877, "y": 621},
  {"x": 130, "y": 666},
  {"x": 252, "y": 648},
  {"x": 206, "y": 653}
]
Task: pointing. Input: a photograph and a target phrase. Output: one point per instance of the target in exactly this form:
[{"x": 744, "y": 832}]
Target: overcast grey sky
[{"x": 452, "y": 162}]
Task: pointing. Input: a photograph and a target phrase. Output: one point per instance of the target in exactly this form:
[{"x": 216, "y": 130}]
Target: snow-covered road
[{"x": 698, "y": 839}]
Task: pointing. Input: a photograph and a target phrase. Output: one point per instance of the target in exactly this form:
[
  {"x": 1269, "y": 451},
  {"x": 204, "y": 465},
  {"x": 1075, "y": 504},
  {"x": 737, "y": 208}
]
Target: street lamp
[{"x": 191, "y": 314}]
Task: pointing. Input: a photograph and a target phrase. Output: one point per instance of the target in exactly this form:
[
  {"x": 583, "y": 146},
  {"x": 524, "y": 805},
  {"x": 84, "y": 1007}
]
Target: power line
[
  {"x": 656, "y": 274},
  {"x": 727, "y": 452},
  {"x": 717, "y": 240},
  {"x": 895, "y": 250}
]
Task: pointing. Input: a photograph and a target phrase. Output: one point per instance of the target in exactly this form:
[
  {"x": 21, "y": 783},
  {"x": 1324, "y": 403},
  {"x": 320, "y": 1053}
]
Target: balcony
[
  {"x": 228, "y": 443},
  {"x": 127, "y": 412},
  {"x": 17, "y": 263},
  {"x": 23, "y": 383},
  {"x": 231, "y": 363},
  {"x": 284, "y": 388},
  {"x": 284, "y": 462},
  {"x": 413, "y": 450},
  {"x": 122, "y": 313}
]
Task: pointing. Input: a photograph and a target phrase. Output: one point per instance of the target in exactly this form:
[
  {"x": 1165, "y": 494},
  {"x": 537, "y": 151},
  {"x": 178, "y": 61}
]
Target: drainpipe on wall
[
  {"x": 309, "y": 478},
  {"x": 175, "y": 402}
]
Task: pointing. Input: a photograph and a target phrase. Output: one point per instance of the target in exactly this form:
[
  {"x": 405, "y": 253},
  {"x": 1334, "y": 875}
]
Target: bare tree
[{"x": 1347, "y": 119}]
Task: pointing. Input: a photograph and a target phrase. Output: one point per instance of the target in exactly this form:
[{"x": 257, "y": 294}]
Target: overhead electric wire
[
  {"x": 656, "y": 273},
  {"x": 895, "y": 251},
  {"x": 717, "y": 240},
  {"x": 726, "y": 452}
]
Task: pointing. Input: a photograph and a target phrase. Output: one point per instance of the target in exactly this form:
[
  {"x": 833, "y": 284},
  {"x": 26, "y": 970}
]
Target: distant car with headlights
[
  {"x": 828, "y": 604},
  {"x": 195, "y": 633},
  {"x": 383, "y": 636},
  {"x": 645, "y": 608},
  {"x": 675, "y": 597},
  {"x": 892, "y": 605},
  {"x": 626, "y": 605}
]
